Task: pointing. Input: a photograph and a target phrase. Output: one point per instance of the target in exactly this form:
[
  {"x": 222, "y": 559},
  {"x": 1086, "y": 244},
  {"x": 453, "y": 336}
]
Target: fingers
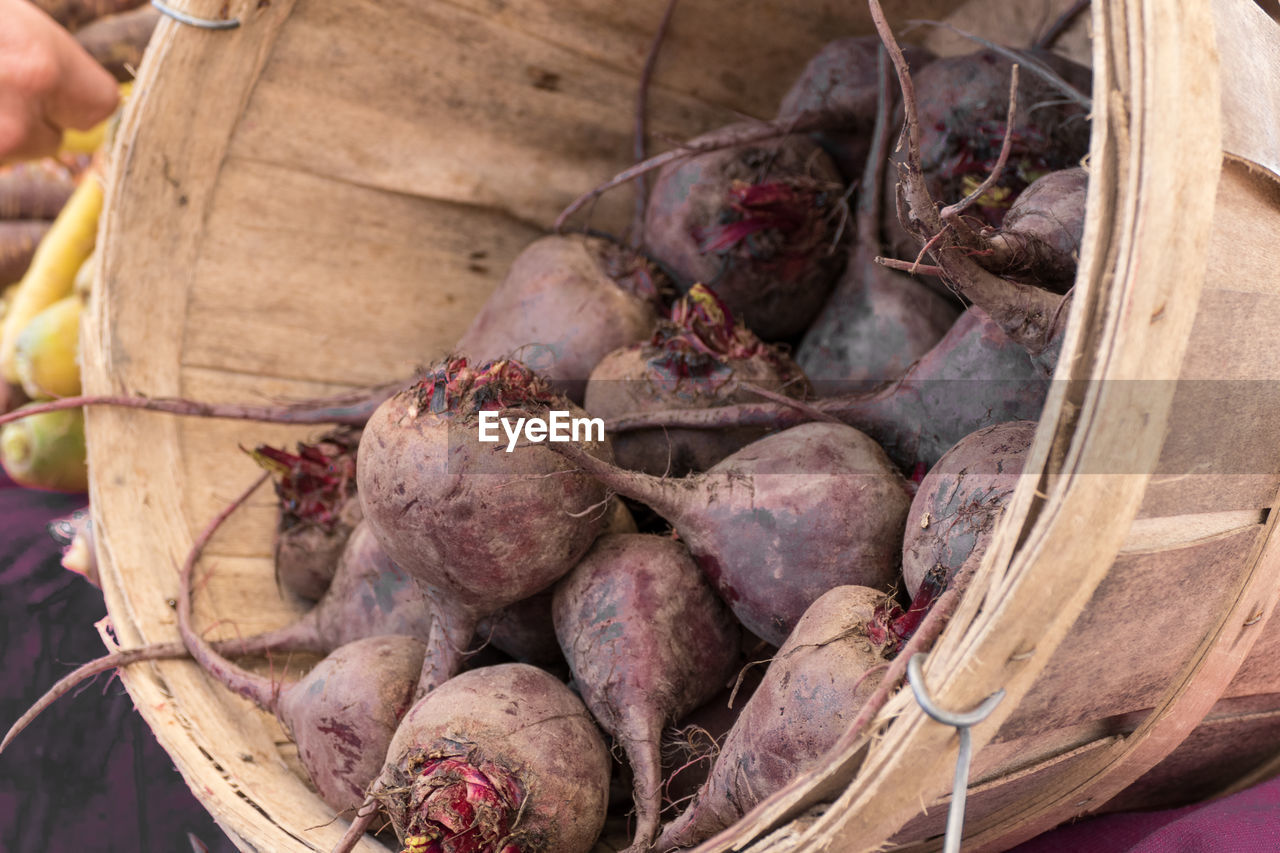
[
  {"x": 47, "y": 83},
  {"x": 85, "y": 93}
]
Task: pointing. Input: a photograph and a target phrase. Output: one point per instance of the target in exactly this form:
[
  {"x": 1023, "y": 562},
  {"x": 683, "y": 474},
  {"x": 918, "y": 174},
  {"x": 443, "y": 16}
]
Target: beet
[
  {"x": 370, "y": 596},
  {"x": 955, "y": 510},
  {"x": 341, "y": 714},
  {"x": 526, "y": 630},
  {"x": 698, "y": 359},
  {"x": 1031, "y": 316},
  {"x": 811, "y": 693},
  {"x": 497, "y": 760},
  {"x": 316, "y": 488},
  {"x": 841, "y": 77},
  {"x": 781, "y": 521},
  {"x": 975, "y": 377},
  {"x": 478, "y": 528},
  {"x": 962, "y": 103},
  {"x": 759, "y": 224},
  {"x": 648, "y": 641},
  {"x": 566, "y": 301},
  {"x": 877, "y": 322},
  {"x": 1040, "y": 238}
]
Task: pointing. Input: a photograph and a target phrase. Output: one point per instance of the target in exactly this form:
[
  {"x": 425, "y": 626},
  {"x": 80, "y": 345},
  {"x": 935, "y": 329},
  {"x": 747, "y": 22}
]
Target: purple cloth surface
[
  {"x": 88, "y": 774},
  {"x": 1247, "y": 822}
]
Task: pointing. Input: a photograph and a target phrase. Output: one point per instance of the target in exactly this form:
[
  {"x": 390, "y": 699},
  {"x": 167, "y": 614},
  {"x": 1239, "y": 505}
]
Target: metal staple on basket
[
  {"x": 192, "y": 21},
  {"x": 962, "y": 722}
]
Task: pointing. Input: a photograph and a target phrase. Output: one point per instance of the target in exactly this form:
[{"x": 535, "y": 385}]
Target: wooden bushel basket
[{"x": 322, "y": 198}]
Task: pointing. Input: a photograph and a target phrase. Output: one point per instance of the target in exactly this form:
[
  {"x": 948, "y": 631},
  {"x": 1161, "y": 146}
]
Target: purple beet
[
  {"x": 501, "y": 759},
  {"x": 812, "y": 691},
  {"x": 477, "y": 527},
  {"x": 1040, "y": 238},
  {"x": 565, "y": 303},
  {"x": 648, "y": 641},
  {"x": 960, "y": 500},
  {"x": 698, "y": 359},
  {"x": 781, "y": 521},
  {"x": 974, "y": 377},
  {"x": 941, "y": 147},
  {"x": 963, "y": 103},
  {"x": 759, "y": 224},
  {"x": 877, "y": 322},
  {"x": 841, "y": 77},
  {"x": 316, "y": 488},
  {"x": 525, "y": 630},
  {"x": 342, "y": 714}
]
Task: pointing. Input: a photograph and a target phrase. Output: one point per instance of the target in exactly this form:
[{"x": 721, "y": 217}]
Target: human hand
[{"x": 47, "y": 83}]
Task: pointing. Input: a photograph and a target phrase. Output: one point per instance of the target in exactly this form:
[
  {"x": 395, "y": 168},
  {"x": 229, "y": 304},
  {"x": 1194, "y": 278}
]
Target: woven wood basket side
[
  {"x": 338, "y": 205},
  {"x": 319, "y": 200}
]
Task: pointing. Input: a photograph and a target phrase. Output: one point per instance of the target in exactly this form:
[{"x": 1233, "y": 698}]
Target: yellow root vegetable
[
  {"x": 46, "y": 451},
  {"x": 51, "y": 275},
  {"x": 97, "y": 137},
  {"x": 46, "y": 354}
]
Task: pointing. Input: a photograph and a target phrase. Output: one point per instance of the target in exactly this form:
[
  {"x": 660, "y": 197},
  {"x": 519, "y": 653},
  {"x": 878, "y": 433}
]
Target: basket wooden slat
[{"x": 322, "y": 198}]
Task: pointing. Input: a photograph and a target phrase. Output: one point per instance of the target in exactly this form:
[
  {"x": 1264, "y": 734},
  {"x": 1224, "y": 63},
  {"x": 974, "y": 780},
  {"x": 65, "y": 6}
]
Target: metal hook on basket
[
  {"x": 962, "y": 722},
  {"x": 192, "y": 21}
]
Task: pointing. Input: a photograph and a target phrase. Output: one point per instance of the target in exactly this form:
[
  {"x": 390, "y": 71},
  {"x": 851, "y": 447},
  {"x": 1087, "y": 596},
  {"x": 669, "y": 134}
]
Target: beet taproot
[
  {"x": 877, "y": 322},
  {"x": 778, "y": 523},
  {"x": 648, "y": 641},
  {"x": 811, "y": 693}
]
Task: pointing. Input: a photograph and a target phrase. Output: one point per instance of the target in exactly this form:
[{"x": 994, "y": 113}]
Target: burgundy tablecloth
[
  {"x": 1248, "y": 822},
  {"x": 89, "y": 776}
]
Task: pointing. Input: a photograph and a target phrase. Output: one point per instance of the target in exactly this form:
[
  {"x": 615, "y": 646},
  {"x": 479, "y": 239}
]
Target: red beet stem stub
[
  {"x": 317, "y": 480},
  {"x": 460, "y": 808}
]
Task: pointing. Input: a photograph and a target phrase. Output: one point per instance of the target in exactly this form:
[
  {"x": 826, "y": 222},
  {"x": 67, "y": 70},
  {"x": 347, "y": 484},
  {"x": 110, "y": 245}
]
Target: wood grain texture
[
  {"x": 332, "y": 212},
  {"x": 319, "y": 200}
]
